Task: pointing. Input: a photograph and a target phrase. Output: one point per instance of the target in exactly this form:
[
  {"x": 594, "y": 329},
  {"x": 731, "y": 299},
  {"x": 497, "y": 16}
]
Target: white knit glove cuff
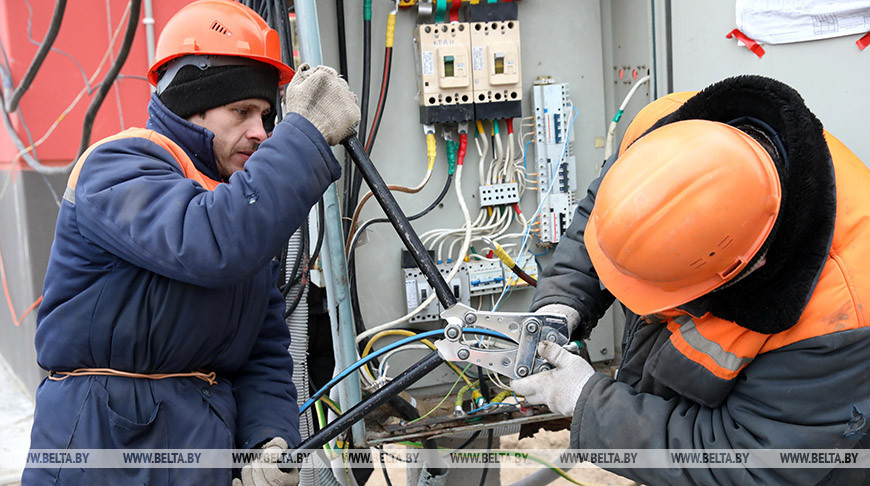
[{"x": 562, "y": 310}]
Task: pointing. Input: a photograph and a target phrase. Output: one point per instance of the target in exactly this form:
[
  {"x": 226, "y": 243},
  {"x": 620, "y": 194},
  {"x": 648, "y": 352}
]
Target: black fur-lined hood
[{"x": 772, "y": 298}]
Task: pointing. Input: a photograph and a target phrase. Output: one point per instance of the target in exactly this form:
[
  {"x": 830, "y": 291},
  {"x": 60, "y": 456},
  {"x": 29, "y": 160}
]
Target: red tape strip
[
  {"x": 750, "y": 44},
  {"x": 863, "y": 41}
]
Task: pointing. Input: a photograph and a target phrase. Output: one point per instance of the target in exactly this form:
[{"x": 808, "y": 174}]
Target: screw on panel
[
  {"x": 522, "y": 371},
  {"x": 463, "y": 353},
  {"x": 470, "y": 317}
]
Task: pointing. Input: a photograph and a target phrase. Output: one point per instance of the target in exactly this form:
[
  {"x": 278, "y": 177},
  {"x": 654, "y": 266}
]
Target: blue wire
[
  {"x": 525, "y": 152},
  {"x": 360, "y": 363}
]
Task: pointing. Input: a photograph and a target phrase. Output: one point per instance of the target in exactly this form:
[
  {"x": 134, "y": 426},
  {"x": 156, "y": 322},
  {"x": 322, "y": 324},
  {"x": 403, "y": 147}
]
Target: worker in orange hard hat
[
  {"x": 161, "y": 325},
  {"x": 735, "y": 232}
]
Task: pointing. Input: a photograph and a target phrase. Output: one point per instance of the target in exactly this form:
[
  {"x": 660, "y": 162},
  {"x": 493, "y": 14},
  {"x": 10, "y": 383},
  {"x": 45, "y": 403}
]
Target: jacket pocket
[{"x": 100, "y": 426}]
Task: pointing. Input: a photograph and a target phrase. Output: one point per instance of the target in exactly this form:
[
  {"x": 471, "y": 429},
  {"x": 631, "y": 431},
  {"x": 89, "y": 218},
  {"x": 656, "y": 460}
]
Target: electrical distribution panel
[
  {"x": 470, "y": 70},
  {"x": 557, "y": 180}
]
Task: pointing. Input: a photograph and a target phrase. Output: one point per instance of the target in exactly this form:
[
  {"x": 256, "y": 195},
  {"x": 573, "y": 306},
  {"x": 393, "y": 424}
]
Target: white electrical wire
[
  {"x": 453, "y": 271},
  {"x": 383, "y": 367},
  {"x": 611, "y": 130}
]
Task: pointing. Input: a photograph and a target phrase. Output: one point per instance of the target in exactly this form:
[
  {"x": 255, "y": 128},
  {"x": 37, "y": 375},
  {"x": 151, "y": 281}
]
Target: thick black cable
[
  {"x": 342, "y": 63},
  {"x": 382, "y": 98},
  {"x": 468, "y": 441},
  {"x": 400, "y": 383},
  {"x": 97, "y": 101},
  {"x": 288, "y": 282},
  {"x": 321, "y": 224},
  {"x": 303, "y": 276},
  {"x": 488, "y": 448},
  {"x": 282, "y": 25},
  {"x": 366, "y": 83},
  {"x": 351, "y": 198},
  {"x": 342, "y": 39},
  {"x": 36, "y": 63},
  {"x": 384, "y": 468}
]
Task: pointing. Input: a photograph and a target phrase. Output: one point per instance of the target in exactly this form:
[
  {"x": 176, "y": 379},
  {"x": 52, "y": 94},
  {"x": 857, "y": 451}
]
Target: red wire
[
  {"x": 510, "y": 125},
  {"x": 454, "y": 10},
  {"x": 463, "y": 144},
  {"x": 381, "y": 98}
]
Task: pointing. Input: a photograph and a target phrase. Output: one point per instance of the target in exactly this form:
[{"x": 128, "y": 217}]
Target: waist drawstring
[{"x": 210, "y": 378}]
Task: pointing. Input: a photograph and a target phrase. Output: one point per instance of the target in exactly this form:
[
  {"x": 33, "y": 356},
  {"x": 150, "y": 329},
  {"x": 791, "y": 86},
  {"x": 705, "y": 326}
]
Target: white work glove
[
  {"x": 562, "y": 310},
  {"x": 560, "y": 387},
  {"x": 324, "y": 99},
  {"x": 265, "y": 472}
]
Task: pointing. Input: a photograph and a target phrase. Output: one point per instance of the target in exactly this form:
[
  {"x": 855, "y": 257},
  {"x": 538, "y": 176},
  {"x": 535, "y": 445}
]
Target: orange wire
[{"x": 15, "y": 320}]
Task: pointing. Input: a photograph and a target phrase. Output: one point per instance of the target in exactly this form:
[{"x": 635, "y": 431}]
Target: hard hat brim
[{"x": 639, "y": 296}]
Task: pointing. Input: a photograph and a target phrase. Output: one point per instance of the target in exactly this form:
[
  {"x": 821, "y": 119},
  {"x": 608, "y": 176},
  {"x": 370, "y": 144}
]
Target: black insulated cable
[
  {"x": 36, "y": 63},
  {"x": 282, "y": 25},
  {"x": 523, "y": 275},
  {"x": 321, "y": 224},
  {"x": 400, "y": 383},
  {"x": 488, "y": 448},
  {"x": 91, "y": 115}
]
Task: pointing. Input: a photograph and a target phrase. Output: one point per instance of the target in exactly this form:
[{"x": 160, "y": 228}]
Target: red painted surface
[{"x": 85, "y": 33}]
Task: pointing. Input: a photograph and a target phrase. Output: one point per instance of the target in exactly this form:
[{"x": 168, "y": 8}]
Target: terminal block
[
  {"x": 444, "y": 72},
  {"x": 499, "y": 194}
]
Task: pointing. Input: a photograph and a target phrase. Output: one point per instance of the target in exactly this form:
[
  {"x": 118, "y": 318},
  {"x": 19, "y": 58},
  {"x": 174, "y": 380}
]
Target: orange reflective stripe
[
  {"x": 650, "y": 114},
  {"x": 187, "y": 167},
  {"x": 720, "y": 346}
]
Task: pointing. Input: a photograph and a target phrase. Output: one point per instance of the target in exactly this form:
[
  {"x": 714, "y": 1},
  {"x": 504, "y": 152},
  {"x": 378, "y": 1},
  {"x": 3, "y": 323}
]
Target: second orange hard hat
[{"x": 681, "y": 213}]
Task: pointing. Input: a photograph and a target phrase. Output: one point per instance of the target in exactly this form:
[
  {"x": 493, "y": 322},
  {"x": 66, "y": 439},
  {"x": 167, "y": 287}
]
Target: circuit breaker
[
  {"x": 417, "y": 288},
  {"x": 444, "y": 72},
  {"x": 495, "y": 59},
  {"x": 557, "y": 180}
]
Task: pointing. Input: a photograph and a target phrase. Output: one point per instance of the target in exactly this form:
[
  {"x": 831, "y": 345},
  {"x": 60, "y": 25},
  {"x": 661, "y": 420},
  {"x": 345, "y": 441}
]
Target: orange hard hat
[
  {"x": 681, "y": 213},
  {"x": 219, "y": 27}
]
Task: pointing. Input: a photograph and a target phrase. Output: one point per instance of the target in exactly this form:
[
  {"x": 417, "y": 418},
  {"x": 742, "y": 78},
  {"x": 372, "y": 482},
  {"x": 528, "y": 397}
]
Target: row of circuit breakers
[{"x": 469, "y": 71}]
